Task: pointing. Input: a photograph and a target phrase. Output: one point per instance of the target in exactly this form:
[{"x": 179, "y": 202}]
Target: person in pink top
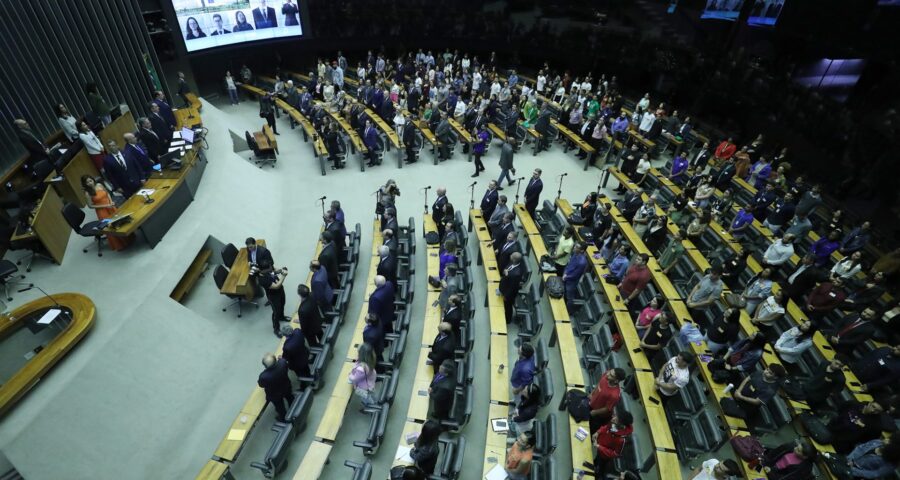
[
  {"x": 648, "y": 314},
  {"x": 362, "y": 375}
]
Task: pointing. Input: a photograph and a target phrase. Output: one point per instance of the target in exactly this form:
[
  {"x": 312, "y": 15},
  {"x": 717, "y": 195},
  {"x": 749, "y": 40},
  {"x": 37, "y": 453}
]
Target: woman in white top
[
  {"x": 92, "y": 144},
  {"x": 231, "y": 87},
  {"x": 399, "y": 120},
  {"x": 792, "y": 343},
  {"x": 643, "y": 168},
  {"x": 704, "y": 192},
  {"x": 770, "y": 310},
  {"x": 328, "y": 92},
  {"x": 541, "y": 81},
  {"x": 848, "y": 267},
  {"x": 713, "y": 469},
  {"x": 759, "y": 289},
  {"x": 67, "y": 122}
]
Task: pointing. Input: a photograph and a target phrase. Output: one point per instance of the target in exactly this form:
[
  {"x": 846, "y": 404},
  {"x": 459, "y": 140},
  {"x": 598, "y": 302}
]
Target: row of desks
[
  {"x": 660, "y": 432},
  {"x": 309, "y": 131},
  {"x": 582, "y": 450},
  {"x": 330, "y": 423},
  {"x": 495, "y": 442}
]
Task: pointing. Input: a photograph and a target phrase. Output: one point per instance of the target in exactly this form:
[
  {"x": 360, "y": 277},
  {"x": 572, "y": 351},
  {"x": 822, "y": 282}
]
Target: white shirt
[
  {"x": 644, "y": 103},
  {"x": 68, "y": 124},
  {"x": 541, "y": 82},
  {"x": 476, "y": 81},
  {"x": 495, "y": 88},
  {"x": 361, "y": 72},
  {"x": 643, "y": 166},
  {"x": 460, "y": 108},
  {"x": 647, "y": 121},
  {"x": 767, "y": 308},
  {"x": 586, "y": 86},
  {"x": 845, "y": 268},
  {"x": 706, "y": 470},
  {"x": 229, "y": 81},
  {"x": 465, "y": 63},
  {"x": 778, "y": 253},
  {"x": 672, "y": 374},
  {"x": 93, "y": 144}
]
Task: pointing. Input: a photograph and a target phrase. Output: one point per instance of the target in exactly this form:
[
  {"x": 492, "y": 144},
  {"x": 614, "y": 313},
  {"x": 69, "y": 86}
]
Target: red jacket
[
  {"x": 609, "y": 443},
  {"x": 725, "y": 150}
]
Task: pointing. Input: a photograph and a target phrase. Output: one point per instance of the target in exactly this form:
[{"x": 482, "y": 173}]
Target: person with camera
[{"x": 272, "y": 282}]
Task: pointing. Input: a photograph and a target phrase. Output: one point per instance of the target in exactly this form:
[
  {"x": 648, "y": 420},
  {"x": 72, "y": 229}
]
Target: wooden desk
[
  {"x": 70, "y": 187},
  {"x": 496, "y": 310},
  {"x": 82, "y": 319},
  {"x": 355, "y": 141},
  {"x": 499, "y": 379},
  {"x": 214, "y": 470},
  {"x": 390, "y": 133},
  {"x": 525, "y": 219},
  {"x": 314, "y": 461},
  {"x": 574, "y": 138},
  {"x": 419, "y": 400},
  {"x": 265, "y": 139},
  {"x": 634, "y": 135},
  {"x": 497, "y": 132},
  {"x": 48, "y": 226},
  {"x": 117, "y": 129},
  {"x": 630, "y": 340},
  {"x": 238, "y": 281},
  {"x": 465, "y": 136},
  {"x": 333, "y": 417},
  {"x": 571, "y": 359},
  {"x": 656, "y": 415},
  {"x": 229, "y": 449},
  {"x": 495, "y": 443}
]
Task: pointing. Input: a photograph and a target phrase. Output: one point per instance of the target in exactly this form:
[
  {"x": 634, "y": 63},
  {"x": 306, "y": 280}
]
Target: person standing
[
  {"x": 183, "y": 90},
  {"x": 381, "y": 303},
  {"x": 290, "y": 11},
  {"x": 443, "y": 346},
  {"x": 275, "y": 382},
  {"x": 409, "y": 140},
  {"x": 126, "y": 175},
  {"x": 295, "y": 351},
  {"x": 635, "y": 281},
  {"x": 231, "y": 86},
  {"x": 610, "y": 441},
  {"x": 94, "y": 146},
  {"x": 321, "y": 290},
  {"x": 272, "y": 282},
  {"x": 437, "y": 210},
  {"x": 309, "y": 316},
  {"x": 575, "y": 268},
  {"x": 605, "y": 397},
  {"x": 441, "y": 391},
  {"x": 533, "y": 192},
  {"x": 506, "y": 163},
  {"x": 362, "y": 376},
  {"x": 512, "y": 280},
  {"x": 98, "y": 104}
]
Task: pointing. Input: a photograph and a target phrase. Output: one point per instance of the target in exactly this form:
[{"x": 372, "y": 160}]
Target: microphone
[
  {"x": 521, "y": 178},
  {"x": 428, "y": 187},
  {"x": 323, "y": 197},
  {"x": 564, "y": 174},
  {"x": 62, "y": 311},
  {"x": 474, "y": 183}
]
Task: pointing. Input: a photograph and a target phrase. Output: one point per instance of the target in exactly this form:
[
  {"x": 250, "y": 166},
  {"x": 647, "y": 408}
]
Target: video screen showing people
[
  {"x": 765, "y": 12},
  {"x": 215, "y": 23},
  {"x": 723, "y": 9}
]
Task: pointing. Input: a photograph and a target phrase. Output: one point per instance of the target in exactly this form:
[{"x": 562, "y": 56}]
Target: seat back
[
  {"x": 229, "y": 254},
  {"x": 219, "y": 275},
  {"x": 545, "y": 380},
  {"x": 299, "y": 410},
  {"x": 74, "y": 216},
  {"x": 541, "y": 357},
  {"x": 361, "y": 471},
  {"x": 456, "y": 460}
]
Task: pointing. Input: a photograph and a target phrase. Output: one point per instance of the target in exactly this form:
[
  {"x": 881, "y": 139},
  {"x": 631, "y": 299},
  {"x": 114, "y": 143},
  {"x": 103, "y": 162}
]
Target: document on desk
[
  {"x": 403, "y": 455},
  {"x": 496, "y": 473},
  {"x": 49, "y": 316},
  {"x": 236, "y": 434},
  {"x": 146, "y": 192},
  {"x": 176, "y": 134}
]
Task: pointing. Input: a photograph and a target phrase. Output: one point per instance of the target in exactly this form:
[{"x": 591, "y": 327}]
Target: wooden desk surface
[
  {"x": 83, "y": 313},
  {"x": 497, "y": 132},
  {"x": 656, "y": 415},
  {"x": 464, "y": 136},
  {"x": 238, "y": 280},
  {"x": 49, "y": 226},
  {"x": 408, "y": 427},
  {"x": 525, "y": 219},
  {"x": 499, "y": 379},
  {"x": 422, "y": 126},
  {"x": 265, "y": 139},
  {"x": 314, "y": 461},
  {"x": 432, "y": 317},
  {"x": 351, "y": 133},
  {"x": 631, "y": 341},
  {"x": 571, "y": 359},
  {"x": 582, "y": 450},
  {"x": 337, "y": 405},
  {"x": 581, "y": 144},
  {"x": 389, "y": 132},
  {"x": 213, "y": 470},
  {"x": 419, "y": 400},
  {"x": 228, "y": 449},
  {"x": 495, "y": 443}
]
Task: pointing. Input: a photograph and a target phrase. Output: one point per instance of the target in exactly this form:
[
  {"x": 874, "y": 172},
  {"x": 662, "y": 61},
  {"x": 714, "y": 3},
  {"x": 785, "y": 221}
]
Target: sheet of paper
[
  {"x": 236, "y": 435},
  {"x": 176, "y": 134},
  {"x": 403, "y": 455},
  {"x": 146, "y": 191},
  {"x": 496, "y": 473},
  {"x": 49, "y": 316}
]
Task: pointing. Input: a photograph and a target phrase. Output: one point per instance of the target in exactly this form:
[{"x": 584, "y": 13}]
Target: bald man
[
  {"x": 381, "y": 303},
  {"x": 136, "y": 152},
  {"x": 30, "y": 141},
  {"x": 276, "y": 383}
]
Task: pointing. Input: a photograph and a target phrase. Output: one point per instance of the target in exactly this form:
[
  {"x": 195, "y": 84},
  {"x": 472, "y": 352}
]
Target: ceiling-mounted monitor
[
  {"x": 215, "y": 23},
  {"x": 723, "y": 9}
]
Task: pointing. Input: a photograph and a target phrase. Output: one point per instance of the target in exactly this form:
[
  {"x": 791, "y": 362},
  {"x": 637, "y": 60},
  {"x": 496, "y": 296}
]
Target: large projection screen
[
  {"x": 215, "y": 23},
  {"x": 765, "y": 12}
]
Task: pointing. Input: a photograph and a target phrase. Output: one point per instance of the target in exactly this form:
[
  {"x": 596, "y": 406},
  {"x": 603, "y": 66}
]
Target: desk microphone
[
  {"x": 473, "y": 183},
  {"x": 521, "y": 178},
  {"x": 564, "y": 174},
  {"x": 428, "y": 187},
  {"x": 62, "y": 311},
  {"x": 323, "y": 197}
]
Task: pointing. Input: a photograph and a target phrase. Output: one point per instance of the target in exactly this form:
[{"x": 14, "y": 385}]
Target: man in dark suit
[
  {"x": 160, "y": 125},
  {"x": 409, "y": 141},
  {"x": 390, "y": 220},
  {"x": 453, "y": 313},
  {"x": 437, "y": 210},
  {"x": 274, "y": 380},
  {"x": 183, "y": 89},
  {"x": 295, "y": 351},
  {"x": 273, "y": 284},
  {"x": 507, "y": 249},
  {"x": 852, "y": 331},
  {"x": 219, "y": 28},
  {"x": 381, "y": 303},
  {"x": 510, "y": 283},
  {"x": 489, "y": 201},
  {"x": 387, "y": 265},
  {"x": 259, "y": 255},
  {"x": 126, "y": 175},
  {"x": 370, "y": 138},
  {"x": 502, "y": 231},
  {"x": 390, "y": 241},
  {"x": 318, "y": 285},
  {"x": 373, "y": 334},
  {"x": 309, "y": 316},
  {"x": 701, "y": 158},
  {"x": 290, "y": 11},
  {"x": 442, "y": 132},
  {"x": 542, "y": 126},
  {"x": 156, "y": 146},
  {"x": 137, "y": 152},
  {"x": 30, "y": 141},
  {"x": 336, "y": 230},
  {"x": 264, "y": 16},
  {"x": 803, "y": 279},
  {"x": 442, "y": 347},
  {"x": 441, "y": 391},
  {"x": 328, "y": 259},
  {"x": 533, "y": 192},
  {"x": 159, "y": 98},
  {"x": 723, "y": 176}
]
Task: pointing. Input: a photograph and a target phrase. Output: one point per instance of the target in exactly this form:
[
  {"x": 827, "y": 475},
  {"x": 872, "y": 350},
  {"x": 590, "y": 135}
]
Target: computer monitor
[
  {"x": 187, "y": 135},
  {"x": 171, "y": 159}
]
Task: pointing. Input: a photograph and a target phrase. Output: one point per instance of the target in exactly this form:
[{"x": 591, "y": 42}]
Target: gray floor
[{"x": 152, "y": 389}]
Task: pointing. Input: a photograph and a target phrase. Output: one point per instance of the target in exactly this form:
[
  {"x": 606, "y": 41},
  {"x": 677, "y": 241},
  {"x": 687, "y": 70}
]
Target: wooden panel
[
  {"x": 499, "y": 377},
  {"x": 117, "y": 129},
  {"x": 525, "y": 219},
  {"x": 495, "y": 443},
  {"x": 419, "y": 400},
  {"x": 333, "y": 417},
  {"x": 313, "y": 461},
  {"x": 50, "y": 225},
  {"x": 213, "y": 470},
  {"x": 70, "y": 186},
  {"x": 83, "y": 312},
  {"x": 571, "y": 360},
  {"x": 229, "y": 448},
  {"x": 238, "y": 281},
  {"x": 656, "y": 415}
]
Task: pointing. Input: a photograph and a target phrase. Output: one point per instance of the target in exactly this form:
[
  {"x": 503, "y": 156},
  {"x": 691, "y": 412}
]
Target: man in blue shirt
[
  {"x": 741, "y": 223},
  {"x": 619, "y": 265},
  {"x": 576, "y": 267},
  {"x": 762, "y": 200},
  {"x": 523, "y": 371},
  {"x": 856, "y": 239},
  {"x": 781, "y": 213},
  {"x": 620, "y": 126}
]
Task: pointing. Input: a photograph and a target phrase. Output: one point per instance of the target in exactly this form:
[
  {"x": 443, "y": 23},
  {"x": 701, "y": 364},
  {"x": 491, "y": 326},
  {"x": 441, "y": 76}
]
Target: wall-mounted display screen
[
  {"x": 765, "y": 12},
  {"x": 723, "y": 9},
  {"x": 215, "y": 23}
]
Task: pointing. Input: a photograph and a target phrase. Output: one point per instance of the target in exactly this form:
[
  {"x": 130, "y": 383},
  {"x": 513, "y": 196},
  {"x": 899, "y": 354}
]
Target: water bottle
[
  {"x": 729, "y": 388},
  {"x": 500, "y": 369}
]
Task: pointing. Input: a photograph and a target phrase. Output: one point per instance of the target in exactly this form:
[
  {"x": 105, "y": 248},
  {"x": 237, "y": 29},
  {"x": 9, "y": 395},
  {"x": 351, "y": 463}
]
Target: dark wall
[{"x": 49, "y": 50}]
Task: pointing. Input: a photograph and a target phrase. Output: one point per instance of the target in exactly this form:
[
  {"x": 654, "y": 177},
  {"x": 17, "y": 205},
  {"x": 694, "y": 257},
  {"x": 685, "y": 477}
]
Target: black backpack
[
  {"x": 432, "y": 238},
  {"x": 555, "y": 287},
  {"x": 578, "y": 405}
]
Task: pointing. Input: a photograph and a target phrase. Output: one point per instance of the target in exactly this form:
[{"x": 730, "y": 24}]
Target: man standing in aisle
[
  {"x": 437, "y": 210},
  {"x": 533, "y": 192},
  {"x": 276, "y": 383},
  {"x": 506, "y": 163}
]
